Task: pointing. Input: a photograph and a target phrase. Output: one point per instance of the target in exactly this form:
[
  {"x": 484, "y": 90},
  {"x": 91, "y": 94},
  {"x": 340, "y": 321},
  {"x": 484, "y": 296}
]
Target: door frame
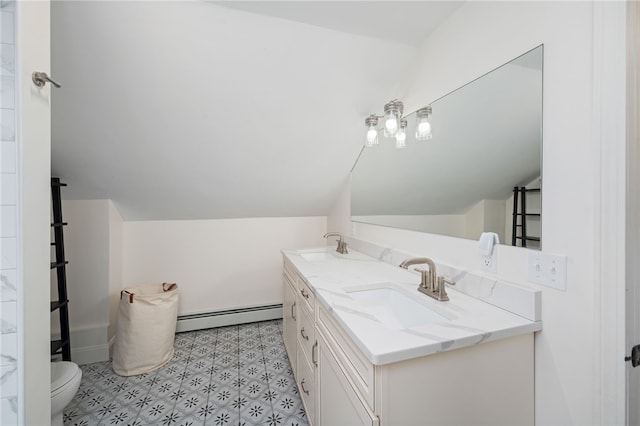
[
  {"x": 632, "y": 294},
  {"x": 616, "y": 231},
  {"x": 33, "y": 133}
]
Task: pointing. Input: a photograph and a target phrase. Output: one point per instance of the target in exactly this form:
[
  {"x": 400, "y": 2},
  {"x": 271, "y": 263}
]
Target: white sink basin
[
  {"x": 317, "y": 256},
  {"x": 396, "y": 309}
]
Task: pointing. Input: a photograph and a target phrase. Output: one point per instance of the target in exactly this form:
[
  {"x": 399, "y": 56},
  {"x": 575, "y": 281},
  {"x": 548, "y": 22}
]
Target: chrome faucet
[
  {"x": 342, "y": 245},
  {"x": 431, "y": 284}
]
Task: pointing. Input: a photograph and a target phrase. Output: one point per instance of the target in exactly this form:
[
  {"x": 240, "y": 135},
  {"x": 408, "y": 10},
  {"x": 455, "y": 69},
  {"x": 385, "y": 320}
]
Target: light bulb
[
  {"x": 372, "y": 136},
  {"x": 401, "y": 135},
  {"x": 423, "y": 126},
  {"x": 392, "y": 114},
  {"x": 401, "y": 139},
  {"x": 390, "y": 126}
]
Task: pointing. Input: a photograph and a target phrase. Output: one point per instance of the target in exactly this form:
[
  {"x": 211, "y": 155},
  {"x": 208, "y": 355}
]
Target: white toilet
[{"x": 65, "y": 381}]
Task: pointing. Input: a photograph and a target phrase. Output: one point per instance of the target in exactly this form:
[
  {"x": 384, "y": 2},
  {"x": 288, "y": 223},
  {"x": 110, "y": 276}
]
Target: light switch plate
[{"x": 548, "y": 269}]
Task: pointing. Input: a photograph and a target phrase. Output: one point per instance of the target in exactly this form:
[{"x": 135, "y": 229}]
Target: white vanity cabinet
[
  {"x": 299, "y": 331},
  {"x": 486, "y": 384},
  {"x": 490, "y": 383},
  {"x": 327, "y": 392}
]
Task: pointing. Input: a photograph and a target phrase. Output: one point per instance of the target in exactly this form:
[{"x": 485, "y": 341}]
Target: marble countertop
[{"x": 387, "y": 337}]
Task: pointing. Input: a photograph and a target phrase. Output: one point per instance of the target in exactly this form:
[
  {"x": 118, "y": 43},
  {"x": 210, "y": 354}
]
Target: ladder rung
[
  {"x": 58, "y": 305},
  {"x": 57, "y": 345},
  {"x": 55, "y": 265},
  {"x": 529, "y": 238}
]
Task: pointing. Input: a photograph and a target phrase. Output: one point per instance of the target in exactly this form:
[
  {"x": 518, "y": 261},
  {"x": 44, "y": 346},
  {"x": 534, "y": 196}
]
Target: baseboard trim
[
  {"x": 90, "y": 354},
  {"x": 92, "y": 351},
  {"x": 89, "y": 344},
  {"x": 228, "y": 317}
]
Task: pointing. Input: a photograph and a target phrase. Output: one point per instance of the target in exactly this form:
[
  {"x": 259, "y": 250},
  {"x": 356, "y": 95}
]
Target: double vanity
[{"x": 367, "y": 348}]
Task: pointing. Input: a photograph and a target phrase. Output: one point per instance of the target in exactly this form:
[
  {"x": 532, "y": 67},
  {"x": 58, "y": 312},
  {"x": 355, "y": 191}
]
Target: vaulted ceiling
[{"x": 200, "y": 110}]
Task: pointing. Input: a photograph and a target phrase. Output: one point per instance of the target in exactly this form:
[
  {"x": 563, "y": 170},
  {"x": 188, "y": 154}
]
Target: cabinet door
[
  {"x": 289, "y": 317},
  {"x": 306, "y": 380},
  {"x": 338, "y": 403}
]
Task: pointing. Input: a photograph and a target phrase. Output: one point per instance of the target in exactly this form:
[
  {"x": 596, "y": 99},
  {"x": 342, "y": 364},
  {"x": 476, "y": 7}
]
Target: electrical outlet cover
[{"x": 490, "y": 263}]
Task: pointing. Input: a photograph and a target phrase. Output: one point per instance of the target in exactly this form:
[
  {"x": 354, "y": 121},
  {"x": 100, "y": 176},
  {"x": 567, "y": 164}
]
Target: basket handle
[
  {"x": 130, "y": 295},
  {"x": 169, "y": 286}
]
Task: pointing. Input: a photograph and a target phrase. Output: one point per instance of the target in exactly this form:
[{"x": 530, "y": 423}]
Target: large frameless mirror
[{"x": 479, "y": 172}]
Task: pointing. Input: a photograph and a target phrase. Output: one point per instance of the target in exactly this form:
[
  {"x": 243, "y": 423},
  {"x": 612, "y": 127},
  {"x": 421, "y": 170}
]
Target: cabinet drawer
[
  {"x": 307, "y": 334},
  {"x": 307, "y": 297},
  {"x": 358, "y": 368},
  {"x": 306, "y": 380}
]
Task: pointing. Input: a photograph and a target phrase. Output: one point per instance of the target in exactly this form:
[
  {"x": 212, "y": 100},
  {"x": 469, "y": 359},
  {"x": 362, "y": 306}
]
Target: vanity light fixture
[
  {"x": 395, "y": 125},
  {"x": 423, "y": 125}
]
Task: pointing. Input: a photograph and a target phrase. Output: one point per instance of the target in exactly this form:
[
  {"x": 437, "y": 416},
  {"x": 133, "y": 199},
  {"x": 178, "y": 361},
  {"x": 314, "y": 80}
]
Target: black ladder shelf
[
  {"x": 63, "y": 345},
  {"x": 520, "y": 212}
]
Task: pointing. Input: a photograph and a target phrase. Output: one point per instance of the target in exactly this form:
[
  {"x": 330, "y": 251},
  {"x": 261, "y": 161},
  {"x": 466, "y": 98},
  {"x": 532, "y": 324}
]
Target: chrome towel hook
[{"x": 41, "y": 78}]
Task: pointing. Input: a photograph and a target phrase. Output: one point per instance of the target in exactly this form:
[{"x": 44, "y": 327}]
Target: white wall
[
  {"x": 87, "y": 248},
  {"x": 485, "y": 216},
  {"x": 477, "y": 38},
  {"x": 218, "y": 264},
  {"x": 93, "y": 247},
  {"x": 449, "y": 224},
  {"x": 192, "y": 86},
  {"x": 116, "y": 229}
]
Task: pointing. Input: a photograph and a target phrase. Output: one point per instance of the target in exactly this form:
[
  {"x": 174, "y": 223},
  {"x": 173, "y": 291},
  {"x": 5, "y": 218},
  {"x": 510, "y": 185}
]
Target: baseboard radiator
[{"x": 228, "y": 317}]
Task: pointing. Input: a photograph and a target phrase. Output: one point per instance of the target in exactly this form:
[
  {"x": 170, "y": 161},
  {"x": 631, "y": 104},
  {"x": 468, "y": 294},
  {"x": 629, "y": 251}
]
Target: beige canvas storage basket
[{"x": 146, "y": 328}]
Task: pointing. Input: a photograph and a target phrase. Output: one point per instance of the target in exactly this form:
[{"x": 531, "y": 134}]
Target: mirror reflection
[{"x": 486, "y": 142}]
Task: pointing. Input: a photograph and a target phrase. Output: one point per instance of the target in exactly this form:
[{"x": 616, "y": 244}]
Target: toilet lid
[{"x": 61, "y": 373}]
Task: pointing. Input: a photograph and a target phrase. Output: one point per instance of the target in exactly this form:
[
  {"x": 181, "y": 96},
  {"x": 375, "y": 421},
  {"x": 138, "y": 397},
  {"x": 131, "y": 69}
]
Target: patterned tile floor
[{"x": 238, "y": 375}]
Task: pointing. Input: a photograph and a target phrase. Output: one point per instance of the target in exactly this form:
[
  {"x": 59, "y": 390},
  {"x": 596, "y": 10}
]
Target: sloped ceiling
[
  {"x": 193, "y": 110},
  {"x": 407, "y": 22}
]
